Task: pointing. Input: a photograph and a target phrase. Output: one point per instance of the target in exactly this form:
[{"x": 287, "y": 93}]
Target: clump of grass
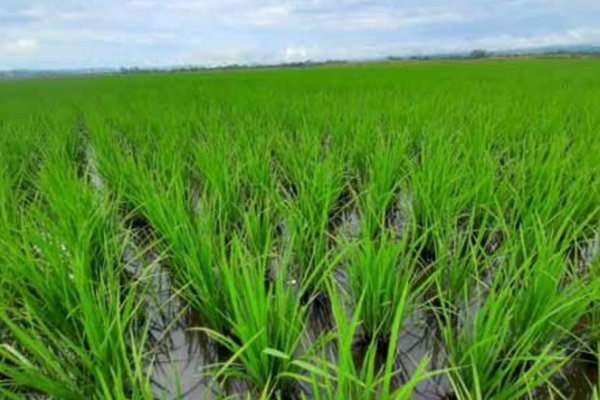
[
  {"x": 379, "y": 274},
  {"x": 514, "y": 342},
  {"x": 312, "y": 186},
  {"x": 343, "y": 377},
  {"x": 267, "y": 325},
  {"x": 75, "y": 330},
  {"x": 188, "y": 233}
]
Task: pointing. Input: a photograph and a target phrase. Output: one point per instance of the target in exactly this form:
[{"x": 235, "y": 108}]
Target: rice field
[{"x": 425, "y": 230}]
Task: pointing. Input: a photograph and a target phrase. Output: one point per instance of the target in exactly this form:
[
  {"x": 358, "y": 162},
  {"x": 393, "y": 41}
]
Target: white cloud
[
  {"x": 241, "y": 54},
  {"x": 564, "y": 38},
  {"x": 125, "y": 37},
  {"x": 387, "y": 21},
  {"x": 141, "y": 4},
  {"x": 34, "y": 11},
  {"x": 272, "y": 15},
  {"x": 71, "y": 15},
  {"x": 216, "y": 32},
  {"x": 22, "y": 46},
  {"x": 189, "y": 6},
  {"x": 318, "y": 16},
  {"x": 298, "y": 54},
  {"x": 249, "y": 54},
  {"x": 498, "y": 42}
]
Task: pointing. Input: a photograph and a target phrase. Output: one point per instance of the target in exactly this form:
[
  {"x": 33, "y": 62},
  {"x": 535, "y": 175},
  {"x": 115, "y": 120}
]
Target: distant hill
[
  {"x": 571, "y": 49},
  {"x": 584, "y": 49}
]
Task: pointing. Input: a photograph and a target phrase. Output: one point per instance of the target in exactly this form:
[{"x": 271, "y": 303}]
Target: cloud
[
  {"x": 584, "y": 35},
  {"x": 322, "y": 16},
  {"x": 271, "y": 15},
  {"x": 298, "y": 54},
  {"x": 386, "y": 21},
  {"x": 22, "y": 46},
  {"x": 498, "y": 42},
  {"x": 94, "y": 33},
  {"x": 240, "y": 54},
  {"x": 34, "y": 11},
  {"x": 249, "y": 54},
  {"x": 71, "y": 15}
]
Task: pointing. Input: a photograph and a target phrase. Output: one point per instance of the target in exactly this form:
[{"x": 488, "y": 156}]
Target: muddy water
[
  {"x": 418, "y": 341},
  {"x": 579, "y": 379},
  {"x": 178, "y": 354},
  {"x": 178, "y": 358}
]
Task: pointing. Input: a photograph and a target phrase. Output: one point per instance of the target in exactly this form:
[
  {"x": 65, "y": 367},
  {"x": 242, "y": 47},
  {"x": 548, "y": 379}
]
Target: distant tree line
[{"x": 194, "y": 68}]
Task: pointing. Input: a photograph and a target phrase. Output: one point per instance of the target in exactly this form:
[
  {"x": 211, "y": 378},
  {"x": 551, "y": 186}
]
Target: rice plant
[{"x": 458, "y": 200}]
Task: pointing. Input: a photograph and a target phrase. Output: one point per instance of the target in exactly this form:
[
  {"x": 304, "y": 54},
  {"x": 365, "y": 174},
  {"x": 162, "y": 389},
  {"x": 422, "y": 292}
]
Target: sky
[{"x": 70, "y": 34}]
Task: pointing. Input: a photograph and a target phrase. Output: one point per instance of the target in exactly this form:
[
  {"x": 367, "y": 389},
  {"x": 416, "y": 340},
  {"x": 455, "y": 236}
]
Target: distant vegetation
[
  {"x": 479, "y": 53},
  {"x": 551, "y": 51}
]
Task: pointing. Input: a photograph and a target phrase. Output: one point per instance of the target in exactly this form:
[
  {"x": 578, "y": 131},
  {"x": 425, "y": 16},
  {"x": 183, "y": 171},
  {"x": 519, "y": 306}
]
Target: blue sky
[{"x": 112, "y": 33}]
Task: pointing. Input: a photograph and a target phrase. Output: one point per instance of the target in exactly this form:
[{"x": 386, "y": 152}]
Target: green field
[{"x": 388, "y": 231}]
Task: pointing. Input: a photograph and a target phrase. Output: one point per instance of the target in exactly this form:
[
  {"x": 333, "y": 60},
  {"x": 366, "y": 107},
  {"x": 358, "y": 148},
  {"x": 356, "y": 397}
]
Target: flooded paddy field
[{"x": 388, "y": 231}]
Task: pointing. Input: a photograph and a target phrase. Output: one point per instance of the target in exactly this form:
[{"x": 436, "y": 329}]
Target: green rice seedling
[
  {"x": 549, "y": 180},
  {"x": 260, "y": 214},
  {"x": 380, "y": 272},
  {"x": 17, "y": 172},
  {"x": 480, "y": 179},
  {"x": 380, "y": 187},
  {"x": 7, "y": 221},
  {"x": 453, "y": 204},
  {"x": 344, "y": 378},
  {"x": 316, "y": 185},
  {"x": 22, "y": 156},
  {"x": 484, "y": 365},
  {"x": 220, "y": 177},
  {"x": 467, "y": 259},
  {"x": 259, "y": 231},
  {"x": 596, "y": 390},
  {"x": 188, "y": 233},
  {"x": 267, "y": 325},
  {"x": 512, "y": 343},
  {"x": 591, "y": 325},
  {"x": 76, "y": 330}
]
